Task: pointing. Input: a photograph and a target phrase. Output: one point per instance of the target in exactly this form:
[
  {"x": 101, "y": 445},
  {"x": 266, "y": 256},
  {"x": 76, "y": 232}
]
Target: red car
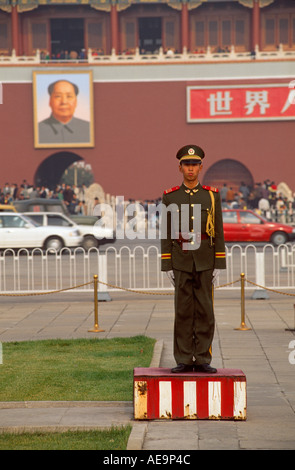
[{"x": 246, "y": 226}]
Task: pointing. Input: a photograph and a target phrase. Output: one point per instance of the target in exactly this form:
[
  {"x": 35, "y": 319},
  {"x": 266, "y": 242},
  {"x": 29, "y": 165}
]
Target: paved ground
[{"x": 263, "y": 353}]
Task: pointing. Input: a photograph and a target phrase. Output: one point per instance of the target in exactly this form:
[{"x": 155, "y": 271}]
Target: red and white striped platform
[{"x": 158, "y": 393}]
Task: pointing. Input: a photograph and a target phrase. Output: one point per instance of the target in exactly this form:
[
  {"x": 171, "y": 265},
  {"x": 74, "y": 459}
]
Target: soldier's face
[
  {"x": 63, "y": 101},
  {"x": 190, "y": 171}
]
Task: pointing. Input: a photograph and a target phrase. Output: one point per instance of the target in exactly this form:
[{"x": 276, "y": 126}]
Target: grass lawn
[
  {"x": 79, "y": 369},
  {"x": 112, "y": 439}
]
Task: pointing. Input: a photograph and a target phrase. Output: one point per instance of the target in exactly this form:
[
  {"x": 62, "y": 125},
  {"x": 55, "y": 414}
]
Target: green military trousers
[{"x": 194, "y": 317}]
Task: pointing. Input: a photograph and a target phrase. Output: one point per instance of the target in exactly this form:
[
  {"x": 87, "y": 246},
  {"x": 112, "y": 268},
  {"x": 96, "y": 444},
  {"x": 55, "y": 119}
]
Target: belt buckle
[{"x": 193, "y": 240}]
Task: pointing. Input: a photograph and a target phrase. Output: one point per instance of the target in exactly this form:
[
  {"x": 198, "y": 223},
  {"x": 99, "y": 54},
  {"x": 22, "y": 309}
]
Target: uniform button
[
  {"x": 192, "y": 205},
  {"x": 191, "y": 194},
  {"x": 192, "y": 217}
]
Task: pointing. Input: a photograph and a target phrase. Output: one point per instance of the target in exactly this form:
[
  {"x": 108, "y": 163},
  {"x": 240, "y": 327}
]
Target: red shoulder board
[
  {"x": 171, "y": 190},
  {"x": 210, "y": 188}
]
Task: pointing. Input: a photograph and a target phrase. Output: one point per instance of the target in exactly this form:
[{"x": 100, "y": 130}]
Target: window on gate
[
  {"x": 39, "y": 36},
  {"x": 95, "y": 35},
  {"x": 169, "y": 34}
]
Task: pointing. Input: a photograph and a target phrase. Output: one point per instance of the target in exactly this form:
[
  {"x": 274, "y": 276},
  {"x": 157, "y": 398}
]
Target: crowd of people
[
  {"x": 64, "y": 55},
  {"x": 263, "y": 198},
  {"x": 72, "y": 195}
]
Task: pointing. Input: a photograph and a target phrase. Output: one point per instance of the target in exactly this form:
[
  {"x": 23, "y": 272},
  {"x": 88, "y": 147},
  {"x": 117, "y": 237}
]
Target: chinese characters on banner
[{"x": 240, "y": 103}]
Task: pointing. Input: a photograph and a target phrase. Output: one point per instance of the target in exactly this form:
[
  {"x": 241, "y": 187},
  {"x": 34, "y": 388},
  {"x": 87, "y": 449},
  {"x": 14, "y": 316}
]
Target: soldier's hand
[
  {"x": 215, "y": 277},
  {"x": 170, "y": 276}
]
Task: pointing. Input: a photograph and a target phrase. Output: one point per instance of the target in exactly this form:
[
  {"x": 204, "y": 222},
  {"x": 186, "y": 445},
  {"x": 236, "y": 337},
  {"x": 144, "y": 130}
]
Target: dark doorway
[
  {"x": 150, "y": 34},
  {"x": 228, "y": 171},
  {"x": 50, "y": 171},
  {"x": 67, "y": 34}
]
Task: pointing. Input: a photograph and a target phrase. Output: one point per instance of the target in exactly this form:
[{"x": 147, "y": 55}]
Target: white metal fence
[{"x": 137, "y": 268}]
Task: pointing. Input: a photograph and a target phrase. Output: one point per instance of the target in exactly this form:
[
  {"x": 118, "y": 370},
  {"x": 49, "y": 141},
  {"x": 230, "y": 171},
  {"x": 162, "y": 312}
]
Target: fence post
[
  {"x": 96, "y": 328},
  {"x": 243, "y": 325},
  {"x": 102, "y": 272},
  {"x": 284, "y": 261},
  {"x": 260, "y": 293}
]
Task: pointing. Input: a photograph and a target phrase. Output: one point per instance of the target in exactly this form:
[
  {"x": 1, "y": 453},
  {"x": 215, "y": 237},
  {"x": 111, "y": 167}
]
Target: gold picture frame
[{"x": 63, "y": 109}]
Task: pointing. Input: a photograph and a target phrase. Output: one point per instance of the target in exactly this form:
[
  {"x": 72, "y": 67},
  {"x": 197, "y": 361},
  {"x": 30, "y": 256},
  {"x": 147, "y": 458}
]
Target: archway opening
[
  {"x": 228, "y": 171},
  {"x": 51, "y": 170}
]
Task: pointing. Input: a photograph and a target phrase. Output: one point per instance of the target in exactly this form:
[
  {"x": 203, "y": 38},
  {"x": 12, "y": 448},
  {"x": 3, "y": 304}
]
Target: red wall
[{"x": 138, "y": 129}]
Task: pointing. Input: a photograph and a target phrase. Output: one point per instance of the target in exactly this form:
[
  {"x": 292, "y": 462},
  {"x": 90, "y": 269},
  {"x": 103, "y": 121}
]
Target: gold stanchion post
[
  {"x": 243, "y": 325},
  {"x": 96, "y": 328}
]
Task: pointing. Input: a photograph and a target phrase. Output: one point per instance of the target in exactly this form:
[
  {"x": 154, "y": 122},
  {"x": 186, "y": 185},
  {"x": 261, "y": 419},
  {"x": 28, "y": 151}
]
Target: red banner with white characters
[{"x": 274, "y": 102}]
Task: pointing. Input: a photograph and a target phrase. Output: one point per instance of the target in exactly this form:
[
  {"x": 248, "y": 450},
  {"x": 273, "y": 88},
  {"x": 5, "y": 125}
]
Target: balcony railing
[{"x": 159, "y": 57}]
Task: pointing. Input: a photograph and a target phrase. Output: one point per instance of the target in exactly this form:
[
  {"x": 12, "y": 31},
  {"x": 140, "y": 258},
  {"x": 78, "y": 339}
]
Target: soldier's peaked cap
[{"x": 190, "y": 154}]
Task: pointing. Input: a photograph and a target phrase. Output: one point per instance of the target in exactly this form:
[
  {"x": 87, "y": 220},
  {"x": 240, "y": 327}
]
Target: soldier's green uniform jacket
[{"x": 211, "y": 253}]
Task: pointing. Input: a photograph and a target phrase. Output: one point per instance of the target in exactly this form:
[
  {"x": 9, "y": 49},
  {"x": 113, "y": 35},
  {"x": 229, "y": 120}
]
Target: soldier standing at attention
[{"x": 192, "y": 271}]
